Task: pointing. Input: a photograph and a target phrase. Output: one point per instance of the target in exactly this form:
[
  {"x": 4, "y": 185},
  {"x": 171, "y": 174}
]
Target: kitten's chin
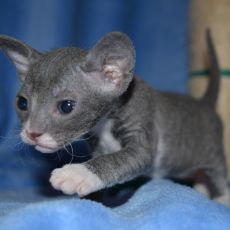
[{"x": 44, "y": 149}]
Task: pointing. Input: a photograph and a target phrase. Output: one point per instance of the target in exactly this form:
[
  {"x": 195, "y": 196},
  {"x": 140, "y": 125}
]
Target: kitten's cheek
[
  {"x": 75, "y": 179},
  {"x": 25, "y": 139}
]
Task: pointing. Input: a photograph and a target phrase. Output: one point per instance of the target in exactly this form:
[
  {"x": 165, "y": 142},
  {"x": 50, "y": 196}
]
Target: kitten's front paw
[{"x": 75, "y": 179}]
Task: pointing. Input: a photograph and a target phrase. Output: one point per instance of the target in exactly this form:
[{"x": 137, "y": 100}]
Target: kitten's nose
[{"x": 33, "y": 136}]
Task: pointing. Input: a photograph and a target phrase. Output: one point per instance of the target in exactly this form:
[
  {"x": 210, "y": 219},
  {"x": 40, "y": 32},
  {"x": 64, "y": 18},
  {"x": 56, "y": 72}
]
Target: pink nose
[{"x": 33, "y": 136}]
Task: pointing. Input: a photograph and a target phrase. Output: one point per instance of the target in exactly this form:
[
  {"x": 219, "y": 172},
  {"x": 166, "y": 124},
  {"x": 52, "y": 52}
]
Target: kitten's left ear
[
  {"x": 110, "y": 63},
  {"x": 20, "y": 54}
]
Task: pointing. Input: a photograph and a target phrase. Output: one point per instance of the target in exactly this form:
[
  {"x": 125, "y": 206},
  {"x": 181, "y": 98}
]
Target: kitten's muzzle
[
  {"x": 43, "y": 142},
  {"x": 33, "y": 136}
]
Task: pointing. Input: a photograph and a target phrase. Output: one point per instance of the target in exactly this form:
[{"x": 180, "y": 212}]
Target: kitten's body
[
  {"x": 136, "y": 130},
  {"x": 171, "y": 148}
]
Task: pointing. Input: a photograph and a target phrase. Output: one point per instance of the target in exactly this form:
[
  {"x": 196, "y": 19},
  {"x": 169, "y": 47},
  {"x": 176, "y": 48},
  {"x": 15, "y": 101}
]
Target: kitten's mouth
[
  {"x": 45, "y": 149},
  {"x": 44, "y": 143}
]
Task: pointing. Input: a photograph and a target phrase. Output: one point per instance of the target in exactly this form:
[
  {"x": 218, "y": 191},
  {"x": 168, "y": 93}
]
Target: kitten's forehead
[
  {"x": 55, "y": 71},
  {"x": 58, "y": 62}
]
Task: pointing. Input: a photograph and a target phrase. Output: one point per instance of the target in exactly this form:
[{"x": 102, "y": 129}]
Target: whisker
[
  {"x": 58, "y": 155},
  {"x": 82, "y": 138},
  {"x": 9, "y": 137},
  {"x": 18, "y": 130},
  {"x": 20, "y": 145},
  {"x": 15, "y": 134},
  {"x": 71, "y": 154},
  {"x": 86, "y": 138}
]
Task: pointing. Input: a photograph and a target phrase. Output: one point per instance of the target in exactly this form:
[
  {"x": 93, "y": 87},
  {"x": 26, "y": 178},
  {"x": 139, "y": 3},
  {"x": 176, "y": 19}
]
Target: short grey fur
[{"x": 135, "y": 130}]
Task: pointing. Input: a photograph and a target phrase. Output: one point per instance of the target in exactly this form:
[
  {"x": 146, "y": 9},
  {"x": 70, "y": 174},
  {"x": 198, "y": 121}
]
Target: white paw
[
  {"x": 202, "y": 188},
  {"x": 75, "y": 179},
  {"x": 224, "y": 199}
]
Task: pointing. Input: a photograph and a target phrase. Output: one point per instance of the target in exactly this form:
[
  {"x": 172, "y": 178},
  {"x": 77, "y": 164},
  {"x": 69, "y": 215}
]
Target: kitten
[{"x": 136, "y": 130}]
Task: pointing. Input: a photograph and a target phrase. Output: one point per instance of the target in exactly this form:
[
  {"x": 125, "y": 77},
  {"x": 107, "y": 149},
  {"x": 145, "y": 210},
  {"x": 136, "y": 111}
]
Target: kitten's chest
[{"x": 107, "y": 141}]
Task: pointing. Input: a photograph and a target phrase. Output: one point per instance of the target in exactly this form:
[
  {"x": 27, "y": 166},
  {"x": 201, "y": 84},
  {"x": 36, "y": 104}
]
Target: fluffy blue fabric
[{"x": 156, "y": 205}]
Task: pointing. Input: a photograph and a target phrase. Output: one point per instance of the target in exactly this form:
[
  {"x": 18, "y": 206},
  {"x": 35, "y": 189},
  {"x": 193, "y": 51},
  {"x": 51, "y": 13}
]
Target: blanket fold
[{"x": 159, "y": 204}]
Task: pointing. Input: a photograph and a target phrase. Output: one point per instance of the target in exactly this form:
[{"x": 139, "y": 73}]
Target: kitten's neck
[{"x": 120, "y": 102}]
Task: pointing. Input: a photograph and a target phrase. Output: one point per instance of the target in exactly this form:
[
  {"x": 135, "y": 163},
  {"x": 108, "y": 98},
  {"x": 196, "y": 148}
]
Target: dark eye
[
  {"x": 22, "y": 103},
  {"x": 65, "y": 107}
]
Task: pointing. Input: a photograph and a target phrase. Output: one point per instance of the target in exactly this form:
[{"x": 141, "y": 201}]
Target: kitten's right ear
[{"x": 20, "y": 54}]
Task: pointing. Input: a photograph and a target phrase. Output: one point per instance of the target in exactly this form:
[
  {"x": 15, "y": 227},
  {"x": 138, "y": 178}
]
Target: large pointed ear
[
  {"x": 20, "y": 54},
  {"x": 110, "y": 63}
]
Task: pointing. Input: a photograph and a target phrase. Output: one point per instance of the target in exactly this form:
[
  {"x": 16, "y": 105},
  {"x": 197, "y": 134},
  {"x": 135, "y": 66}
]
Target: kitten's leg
[
  {"x": 75, "y": 179},
  {"x": 219, "y": 189},
  {"x": 212, "y": 182},
  {"x": 202, "y": 188},
  {"x": 102, "y": 171},
  {"x": 201, "y": 183}
]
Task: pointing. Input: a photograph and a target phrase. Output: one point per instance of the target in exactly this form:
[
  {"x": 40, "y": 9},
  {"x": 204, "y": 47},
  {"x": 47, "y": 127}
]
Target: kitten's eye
[
  {"x": 22, "y": 103},
  {"x": 65, "y": 107}
]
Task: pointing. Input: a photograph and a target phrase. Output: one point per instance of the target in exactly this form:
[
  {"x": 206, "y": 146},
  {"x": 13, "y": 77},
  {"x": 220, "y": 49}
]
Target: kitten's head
[{"x": 65, "y": 92}]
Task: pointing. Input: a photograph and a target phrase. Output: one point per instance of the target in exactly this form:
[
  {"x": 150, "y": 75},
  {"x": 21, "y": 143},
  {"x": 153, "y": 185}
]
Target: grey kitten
[{"x": 135, "y": 129}]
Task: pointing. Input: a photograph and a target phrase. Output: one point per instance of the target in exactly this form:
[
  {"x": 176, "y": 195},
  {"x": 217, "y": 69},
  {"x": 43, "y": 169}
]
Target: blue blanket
[{"x": 157, "y": 205}]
